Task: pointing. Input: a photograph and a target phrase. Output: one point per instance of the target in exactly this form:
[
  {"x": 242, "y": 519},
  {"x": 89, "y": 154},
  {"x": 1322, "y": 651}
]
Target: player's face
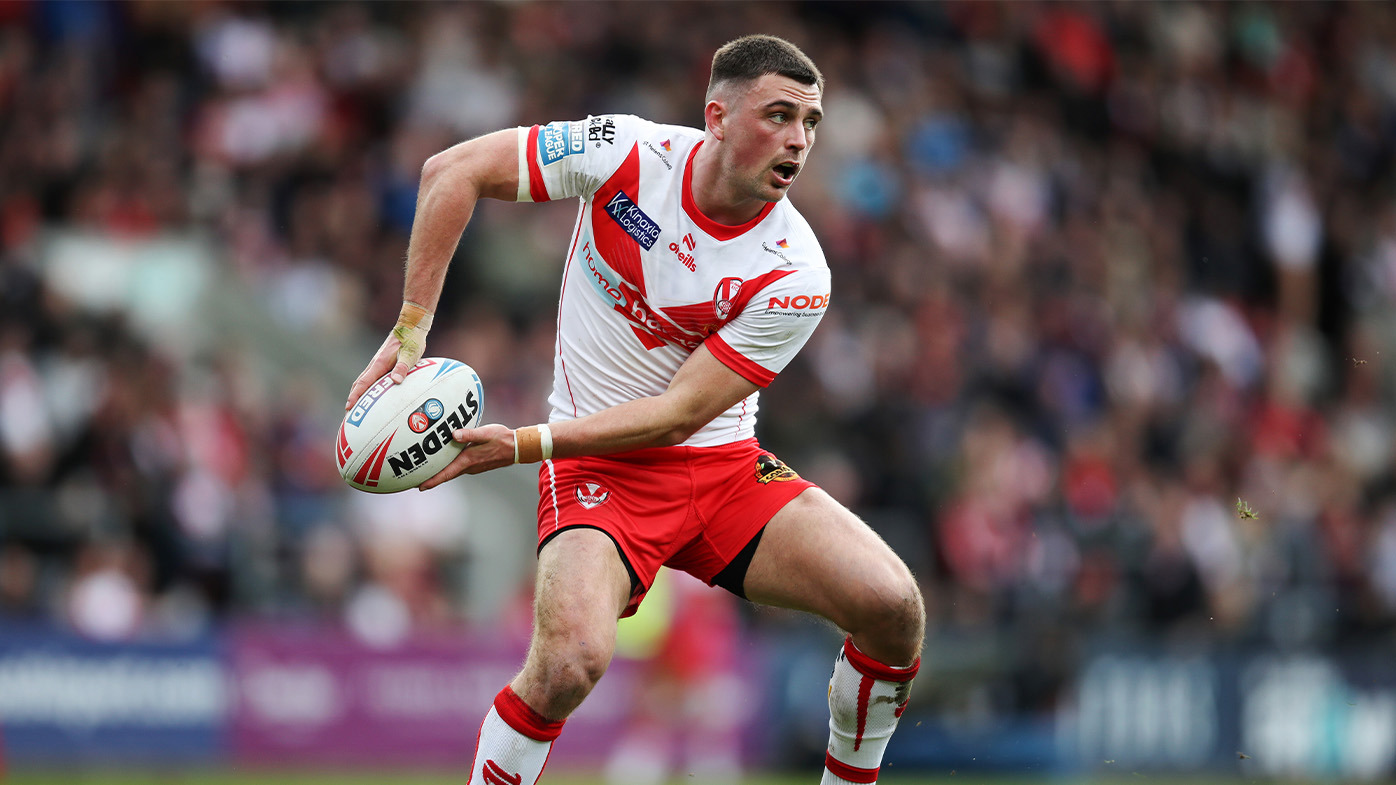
[{"x": 770, "y": 134}]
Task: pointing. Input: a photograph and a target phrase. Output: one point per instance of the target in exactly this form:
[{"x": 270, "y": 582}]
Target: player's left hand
[
  {"x": 487, "y": 447},
  {"x": 399, "y": 353}
]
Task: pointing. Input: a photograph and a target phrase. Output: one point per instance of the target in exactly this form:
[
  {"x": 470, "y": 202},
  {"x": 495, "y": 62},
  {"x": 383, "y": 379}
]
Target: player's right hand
[{"x": 400, "y": 351}]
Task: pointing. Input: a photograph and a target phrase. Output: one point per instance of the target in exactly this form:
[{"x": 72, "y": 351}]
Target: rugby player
[{"x": 690, "y": 282}]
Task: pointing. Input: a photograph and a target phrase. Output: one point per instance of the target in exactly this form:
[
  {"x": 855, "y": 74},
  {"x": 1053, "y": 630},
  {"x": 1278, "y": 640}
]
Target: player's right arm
[
  {"x": 452, "y": 182},
  {"x": 541, "y": 163}
]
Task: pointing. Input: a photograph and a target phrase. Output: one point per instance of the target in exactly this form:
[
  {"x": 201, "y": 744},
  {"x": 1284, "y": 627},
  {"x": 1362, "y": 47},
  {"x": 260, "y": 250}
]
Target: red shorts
[{"x": 689, "y": 508}]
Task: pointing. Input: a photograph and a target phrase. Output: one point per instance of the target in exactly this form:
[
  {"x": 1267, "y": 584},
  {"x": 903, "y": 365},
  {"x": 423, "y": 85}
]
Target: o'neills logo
[
  {"x": 770, "y": 469},
  {"x": 591, "y": 495},
  {"x": 724, "y": 295}
]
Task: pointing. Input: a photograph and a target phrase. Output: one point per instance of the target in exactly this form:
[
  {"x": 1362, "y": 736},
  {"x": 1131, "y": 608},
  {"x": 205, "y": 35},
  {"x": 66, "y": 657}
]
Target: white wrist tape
[{"x": 546, "y": 434}]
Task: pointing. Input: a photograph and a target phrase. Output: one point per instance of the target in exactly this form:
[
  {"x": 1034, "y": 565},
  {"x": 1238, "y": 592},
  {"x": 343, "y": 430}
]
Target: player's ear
[{"x": 714, "y": 115}]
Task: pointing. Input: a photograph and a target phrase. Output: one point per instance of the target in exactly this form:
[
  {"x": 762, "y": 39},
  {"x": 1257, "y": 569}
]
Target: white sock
[
  {"x": 866, "y": 699},
  {"x": 514, "y": 743}
]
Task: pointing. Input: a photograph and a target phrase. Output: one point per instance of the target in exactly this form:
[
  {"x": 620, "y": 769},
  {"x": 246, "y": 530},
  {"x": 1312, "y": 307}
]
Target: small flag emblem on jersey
[{"x": 782, "y": 243}]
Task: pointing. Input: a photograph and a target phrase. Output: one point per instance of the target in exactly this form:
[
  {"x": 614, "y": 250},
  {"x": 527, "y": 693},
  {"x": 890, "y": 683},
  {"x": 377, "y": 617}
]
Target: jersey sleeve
[
  {"x": 573, "y": 157},
  {"x": 774, "y": 326}
]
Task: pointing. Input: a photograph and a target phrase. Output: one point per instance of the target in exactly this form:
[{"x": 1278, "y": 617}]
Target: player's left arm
[{"x": 702, "y": 389}]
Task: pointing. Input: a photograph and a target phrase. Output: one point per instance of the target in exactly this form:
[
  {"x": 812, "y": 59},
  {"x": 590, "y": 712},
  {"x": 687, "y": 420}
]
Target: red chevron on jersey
[
  {"x": 620, "y": 250},
  {"x": 647, "y": 339},
  {"x": 706, "y": 318}
]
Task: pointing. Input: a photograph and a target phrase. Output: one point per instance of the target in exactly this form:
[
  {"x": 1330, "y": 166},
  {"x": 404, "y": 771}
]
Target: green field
[{"x": 169, "y": 777}]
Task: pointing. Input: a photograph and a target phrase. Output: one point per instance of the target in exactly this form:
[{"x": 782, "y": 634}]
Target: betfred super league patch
[{"x": 558, "y": 140}]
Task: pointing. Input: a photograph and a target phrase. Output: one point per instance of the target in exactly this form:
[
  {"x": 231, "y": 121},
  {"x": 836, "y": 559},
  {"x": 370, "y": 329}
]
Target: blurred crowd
[{"x": 1109, "y": 352}]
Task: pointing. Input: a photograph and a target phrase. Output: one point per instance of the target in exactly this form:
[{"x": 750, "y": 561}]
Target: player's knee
[
  {"x": 893, "y": 616},
  {"x": 568, "y": 672}
]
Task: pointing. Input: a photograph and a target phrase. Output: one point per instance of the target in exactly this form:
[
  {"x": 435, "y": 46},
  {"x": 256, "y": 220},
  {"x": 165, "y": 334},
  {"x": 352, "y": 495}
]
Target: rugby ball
[{"x": 397, "y": 435}]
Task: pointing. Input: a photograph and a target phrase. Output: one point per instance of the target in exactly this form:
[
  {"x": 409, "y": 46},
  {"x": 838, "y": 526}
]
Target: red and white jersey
[{"x": 649, "y": 277}]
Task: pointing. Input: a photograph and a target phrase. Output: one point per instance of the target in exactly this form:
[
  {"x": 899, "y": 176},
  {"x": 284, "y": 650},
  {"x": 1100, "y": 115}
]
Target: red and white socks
[
  {"x": 866, "y": 699},
  {"x": 514, "y": 743}
]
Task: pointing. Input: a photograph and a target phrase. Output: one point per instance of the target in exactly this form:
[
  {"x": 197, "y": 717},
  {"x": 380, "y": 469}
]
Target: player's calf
[
  {"x": 866, "y": 700},
  {"x": 513, "y": 744}
]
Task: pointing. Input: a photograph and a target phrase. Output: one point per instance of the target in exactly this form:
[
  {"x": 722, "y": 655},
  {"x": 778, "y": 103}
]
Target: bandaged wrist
[
  {"x": 414, "y": 317},
  {"x": 532, "y": 444}
]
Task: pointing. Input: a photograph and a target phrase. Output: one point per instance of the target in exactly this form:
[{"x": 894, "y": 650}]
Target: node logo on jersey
[{"x": 556, "y": 141}]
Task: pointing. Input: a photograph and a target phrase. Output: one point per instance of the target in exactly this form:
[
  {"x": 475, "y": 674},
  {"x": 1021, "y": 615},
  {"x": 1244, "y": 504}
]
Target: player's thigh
[
  {"x": 581, "y": 587},
  {"x": 817, "y": 556}
]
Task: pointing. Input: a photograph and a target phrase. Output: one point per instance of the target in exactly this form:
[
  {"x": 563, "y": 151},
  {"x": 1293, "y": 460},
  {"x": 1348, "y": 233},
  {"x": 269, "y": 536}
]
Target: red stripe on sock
[
  {"x": 847, "y": 772},
  {"x": 873, "y": 669},
  {"x": 864, "y": 695},
  {"x": 522, "y": 718}
]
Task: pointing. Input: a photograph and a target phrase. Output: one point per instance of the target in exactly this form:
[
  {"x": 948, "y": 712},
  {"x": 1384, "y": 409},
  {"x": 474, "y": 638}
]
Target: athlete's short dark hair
[{"x": 753, "y": 56}]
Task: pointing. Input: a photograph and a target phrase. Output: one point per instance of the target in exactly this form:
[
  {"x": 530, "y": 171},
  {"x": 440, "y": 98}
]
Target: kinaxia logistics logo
[{"x": 633, "y": 220}]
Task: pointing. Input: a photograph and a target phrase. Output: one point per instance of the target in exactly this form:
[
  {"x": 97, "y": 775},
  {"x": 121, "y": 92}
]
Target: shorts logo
[
  {"x": 556, "y": 141},
  {"x": 723, "y": 296},
  {"x": 770, "y": 469},
  {"x": 591, "y": 495}
]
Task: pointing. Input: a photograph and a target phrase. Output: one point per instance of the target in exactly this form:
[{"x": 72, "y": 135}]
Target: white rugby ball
[{"x": 398, "y": 435}]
